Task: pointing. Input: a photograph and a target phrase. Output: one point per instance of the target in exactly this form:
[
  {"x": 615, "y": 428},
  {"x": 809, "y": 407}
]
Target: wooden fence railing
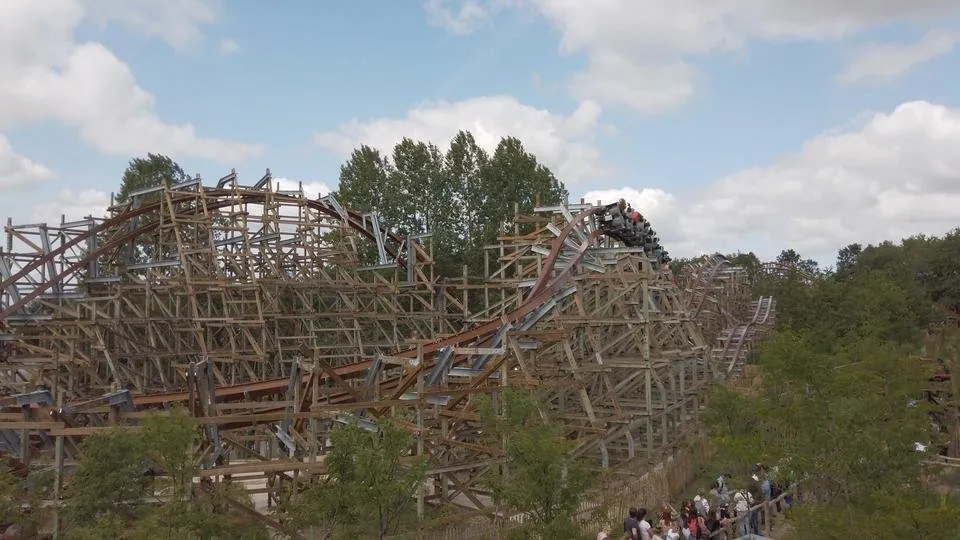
[
  {"x": 766, "y": 511},
  {"x": 605, "y": 506}
]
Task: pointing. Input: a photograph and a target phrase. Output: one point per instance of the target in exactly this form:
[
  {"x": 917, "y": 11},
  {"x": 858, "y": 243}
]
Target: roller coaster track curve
[{"x": 597, "y": 328}]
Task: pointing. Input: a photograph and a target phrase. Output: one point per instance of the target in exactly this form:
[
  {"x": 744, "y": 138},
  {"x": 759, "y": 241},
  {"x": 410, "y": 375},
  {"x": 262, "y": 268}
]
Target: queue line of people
[{"x": 723, "y": 514}]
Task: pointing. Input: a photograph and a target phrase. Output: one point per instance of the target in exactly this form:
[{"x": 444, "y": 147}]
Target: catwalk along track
[{"x": 273, "y": 316}]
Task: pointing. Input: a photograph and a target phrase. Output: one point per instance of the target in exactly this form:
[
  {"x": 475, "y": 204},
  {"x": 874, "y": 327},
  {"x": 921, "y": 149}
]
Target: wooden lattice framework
[{"x": 273, "y": 316}]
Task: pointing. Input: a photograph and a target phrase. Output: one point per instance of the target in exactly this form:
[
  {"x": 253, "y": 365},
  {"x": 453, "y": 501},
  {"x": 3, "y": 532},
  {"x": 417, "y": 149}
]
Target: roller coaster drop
[{"x": 261, "y": 312}]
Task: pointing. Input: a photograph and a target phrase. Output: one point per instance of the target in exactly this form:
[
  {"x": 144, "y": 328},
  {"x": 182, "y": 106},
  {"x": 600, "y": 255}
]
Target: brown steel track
[
  {"x": 600, "y": 428},
  {"x": 545, "y": 288},
  {"x": 542, "y": 291}
]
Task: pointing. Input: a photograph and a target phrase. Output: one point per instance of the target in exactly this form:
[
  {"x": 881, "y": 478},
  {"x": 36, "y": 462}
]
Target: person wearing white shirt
[
  {"x": 741, "y": 509},
  {"x": 645, "y": 532}
]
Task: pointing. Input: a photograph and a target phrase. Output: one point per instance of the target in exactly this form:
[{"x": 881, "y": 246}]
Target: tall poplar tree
[{"x": 465, "y": 198}]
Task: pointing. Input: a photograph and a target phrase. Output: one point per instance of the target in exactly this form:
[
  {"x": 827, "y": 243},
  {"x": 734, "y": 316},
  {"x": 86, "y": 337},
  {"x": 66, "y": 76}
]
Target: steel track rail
[
  {"x": 745, "y": 333},
  {"x": 545, "y": 289}
]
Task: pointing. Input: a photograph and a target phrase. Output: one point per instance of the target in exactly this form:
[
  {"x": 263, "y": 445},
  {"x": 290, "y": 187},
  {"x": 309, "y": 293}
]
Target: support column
[
  {"x": 420, "y": 489},
  {"x": 647, "y": 360}
]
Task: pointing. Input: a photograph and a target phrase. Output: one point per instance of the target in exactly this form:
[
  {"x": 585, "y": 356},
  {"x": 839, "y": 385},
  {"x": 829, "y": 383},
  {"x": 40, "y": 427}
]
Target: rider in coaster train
[
  {"x": 626, "y": 224},
  {"x": 626, "y": 209},
  {"x": 633, "y": 214}
]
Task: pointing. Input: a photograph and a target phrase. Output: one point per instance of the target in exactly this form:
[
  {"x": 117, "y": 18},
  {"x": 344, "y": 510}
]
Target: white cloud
[
  {"x": 887, "y": 176},
  {"x": 647, "y": 88},
  {"x": 73, "y": 204},
  {"x": 311, "y": 190},
  {"x": 640, "y": 56},
  {"x": 177, "y": 22},
  {"x": 48, "y": 75},
  {"x": 893, "y": 175},
  {"x": 882, "y": 62},
  {"x": 563, "y": 143},
  {"x": 229, "y": 46},
  {"x": 462, "y": 19},
  {"x": 16, "y": 170}
]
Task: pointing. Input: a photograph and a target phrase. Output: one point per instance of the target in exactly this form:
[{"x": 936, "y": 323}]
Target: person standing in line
[
  {"x": 645, "y": 532},
  {"x": 631, "y": 526}
]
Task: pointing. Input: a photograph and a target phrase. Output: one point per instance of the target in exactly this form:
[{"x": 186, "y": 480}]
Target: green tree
[
  {"x": 792, "y": 259},
  {"x": 748, "y": 261},
  {"x": 22, "y": 491},
  {"x": 539, "y": 477},
  {"x": 678, "y": 265},
  {"x": 845, "y": 423},
  {"x": 926, "y": 265},
  {"x": 371, "y": 481},
  {"x": 166, "y": 443},
  {"x": 364, "y": 181},
  {"x": 109, "y": 482},
  {"x": 426, "y": 200},
  {"x": 111, "y": 496},
  {"x": 465, "y": 165},
  {"x": 10, "y": 495},
  {"x": 868, "y": 305},
  {"x": 943, "y": 346},
  {"x": 464, "y": 197},
  {"x": 515, "y": 177},
  {"x": 839, "y": 405},
  {"x": 884, "y": 514},
  {"x": 847, "y": 260},
  {"x": 142, "y": 173},
  {"x": 943, "y": 279},
  {"x": 151, "y": 171},
  {"x": 366, "y": 185}
]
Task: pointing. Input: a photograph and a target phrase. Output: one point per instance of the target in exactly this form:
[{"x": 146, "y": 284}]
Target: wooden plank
[
  {"x": 11, "y": 417},
  {"x": 252, "y": 405},
  {"x": 264, "y": 467},
  {"x": 84, "y": 431},
  {"x": 479, "y": 350},
  {"x": 31, "y": 425}
]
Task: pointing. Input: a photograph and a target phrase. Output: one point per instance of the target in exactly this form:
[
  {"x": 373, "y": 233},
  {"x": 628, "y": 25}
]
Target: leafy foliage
[
  {"x": 792, "y": 259},
  {"x": 748, "y": 261},
  {"x": 151, "y": 171},
  {"x": 10, "y": 494},
  {"x": 847, "y": 260},
  {"x": 464, "y": 197},
  {"x": 109, "y": 481},
  {"x": 142, "y": 173},
  {"x": 112, "y": 496},
  {"x": 371, "y": 482},
  {"x": 539, "y": 476},
  {"x": 21, "y": 493},
  {"x": 840, "y": 405}
]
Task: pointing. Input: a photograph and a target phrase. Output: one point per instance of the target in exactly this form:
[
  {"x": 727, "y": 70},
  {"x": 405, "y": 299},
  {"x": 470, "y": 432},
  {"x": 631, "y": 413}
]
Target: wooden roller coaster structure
[{"x": 273, "y": 316}]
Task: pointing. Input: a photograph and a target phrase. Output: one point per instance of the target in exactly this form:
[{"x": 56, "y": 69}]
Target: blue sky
[{"x": 738, "y": 125}]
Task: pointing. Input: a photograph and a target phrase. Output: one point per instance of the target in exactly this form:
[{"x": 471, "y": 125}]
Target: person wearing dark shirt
[
  {"x": 631, "y": 526},
  {"x": 713, "y": 524}
]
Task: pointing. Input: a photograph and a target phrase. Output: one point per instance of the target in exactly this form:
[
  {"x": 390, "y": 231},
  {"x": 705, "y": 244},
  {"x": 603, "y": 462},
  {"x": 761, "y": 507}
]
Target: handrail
[{"x": 763, "y": 505}]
